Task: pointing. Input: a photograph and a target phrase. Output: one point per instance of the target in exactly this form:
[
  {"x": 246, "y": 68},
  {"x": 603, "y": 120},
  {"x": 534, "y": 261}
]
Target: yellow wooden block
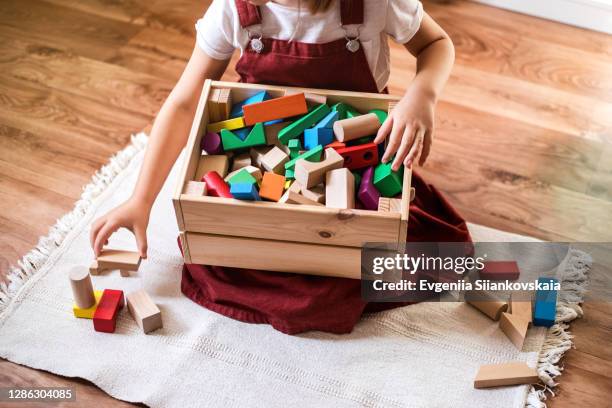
[
  {"x": 229, "y": 124},
  {"x": 288, "y": 184},
  {"x": 89, "y": 312}
]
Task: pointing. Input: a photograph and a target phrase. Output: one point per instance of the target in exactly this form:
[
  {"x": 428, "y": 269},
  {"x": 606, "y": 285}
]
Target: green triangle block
[
  {"x": 296, "y": 128},
  {"x": 242, "y": 177},
  {"x": 312, "y": 155},
  {"x": 387, "y": 181},
  {"x": 256, "y": 137},
  {"x": 382, "y": 115}
]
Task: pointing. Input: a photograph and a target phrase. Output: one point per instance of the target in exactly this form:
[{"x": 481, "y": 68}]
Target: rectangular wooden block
[
  {"x": 486, "y": 303},
  {"x": 513, "y": 373},
  {"x": 105, "y": 317},
  {"x": 293, "y": 188},
  {"x": 144, "y": 311},
  {"x": 214, "y": 113},
  {"x": 309, "y": 174},
  {"x": 196, "y": 188},
  {"x": 211, "y": 162},
  {"x": 274, "y": 160},
  {"x": 340, "y": 189},
  {"x": 272, "y": 186},
  {"x": 119, "y": 259},
  {"x": 316, "y": 193},
  {"x": 230, "y": 124},
  {"x": 520, "y": 306},
  {"x": 90, "y": 311},
  {"x": 224, "y": 104},
  {"x": 500, "y": 270},
  {"x": 297, "y": 198},
  {"x": 545, "y": 307},
  {"x": 277, "y": 108}
]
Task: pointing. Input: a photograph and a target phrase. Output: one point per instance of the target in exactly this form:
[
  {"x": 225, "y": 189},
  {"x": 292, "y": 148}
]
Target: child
[{"x": 333, "y": 44}]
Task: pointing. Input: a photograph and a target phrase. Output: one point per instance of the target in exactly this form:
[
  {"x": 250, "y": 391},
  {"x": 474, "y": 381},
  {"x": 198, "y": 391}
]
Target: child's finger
[
  {"x": 416, "y": 147},
  {"x": 384, "y": 130},
  {"x": 394, "y": 141},
  {"x": 407, "y": 141},
  {"x": 426, "y": 147},
  {"x": 93, "y": 232},
  {"x": 105, "y": 232},
  {"x": 141, "y": 241}
]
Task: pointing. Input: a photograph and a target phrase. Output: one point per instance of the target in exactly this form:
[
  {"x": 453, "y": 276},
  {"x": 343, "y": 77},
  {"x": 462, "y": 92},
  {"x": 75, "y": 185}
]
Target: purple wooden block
[
  {"x": 368, "y": 195},
  {"x": 211, "y": 143}
]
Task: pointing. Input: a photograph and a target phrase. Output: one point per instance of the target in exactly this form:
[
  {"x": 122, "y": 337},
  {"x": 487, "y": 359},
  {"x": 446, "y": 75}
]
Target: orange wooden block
[
  {"x": 272, "y": 186},
  {"x": 272, "y": 109}
]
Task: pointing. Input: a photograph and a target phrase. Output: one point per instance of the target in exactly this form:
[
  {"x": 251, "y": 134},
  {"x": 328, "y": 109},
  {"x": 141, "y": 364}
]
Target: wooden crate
[{"x": 275, "y": 236}]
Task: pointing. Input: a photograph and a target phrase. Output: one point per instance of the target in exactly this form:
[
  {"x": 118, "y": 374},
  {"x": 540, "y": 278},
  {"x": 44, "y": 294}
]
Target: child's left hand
[{"x": 410, "y": 125}]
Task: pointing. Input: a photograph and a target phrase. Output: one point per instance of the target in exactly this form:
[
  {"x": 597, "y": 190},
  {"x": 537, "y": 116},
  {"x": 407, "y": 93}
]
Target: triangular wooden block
[
  {"x": 495, "y": 375},
  {"x": 515, "y": 328},
  {"x": 521, "y": 308},
  {"x": 256, "y": 137}
]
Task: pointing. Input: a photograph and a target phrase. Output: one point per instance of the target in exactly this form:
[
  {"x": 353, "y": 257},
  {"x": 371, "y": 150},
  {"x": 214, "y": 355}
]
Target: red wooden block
[
  {"x": 277, "y": 108},
  {"x": 216, "y": 186},
  {"x": 336, "y": 145},
  {"x": 500, "y": 270},
  {"x": 357, "y": 157},
  {"x": 105, "y": 317}
]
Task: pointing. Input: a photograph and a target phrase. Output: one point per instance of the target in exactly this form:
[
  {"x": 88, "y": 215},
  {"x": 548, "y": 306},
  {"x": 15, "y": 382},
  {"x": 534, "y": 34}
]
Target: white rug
[{"x": 424, "y": 355}]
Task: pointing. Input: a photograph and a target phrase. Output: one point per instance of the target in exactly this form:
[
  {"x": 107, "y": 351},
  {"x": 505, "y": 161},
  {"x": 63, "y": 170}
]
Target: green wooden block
[
  {"x": 294, "y": 148},
  {"x": 296, "y": 128},
  {"x": 341, "y": 108},
  {"x": 351, "y": 113},
  {"x": 312, "y": 155},
  {"x": 256, "y": 137},
  {"x": 387, "y": 181},
  {"x": 382, "y": 115},
  {"x": 289, "y": 174},
  {"x": 242, "y": 177}
]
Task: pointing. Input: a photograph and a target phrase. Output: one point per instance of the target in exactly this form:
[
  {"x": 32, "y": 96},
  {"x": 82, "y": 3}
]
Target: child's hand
[
  {"x": 410, "y": 124},
  {"x": 132, "y": 215}
]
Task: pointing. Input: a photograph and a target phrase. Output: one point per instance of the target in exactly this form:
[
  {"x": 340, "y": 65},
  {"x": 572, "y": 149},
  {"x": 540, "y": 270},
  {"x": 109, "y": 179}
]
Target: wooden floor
[{"x": 524, "y": 131}]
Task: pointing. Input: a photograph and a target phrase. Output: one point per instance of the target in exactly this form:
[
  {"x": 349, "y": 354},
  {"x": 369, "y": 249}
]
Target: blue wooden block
[
  {"x": 243, "y": 132},
  {"x": 272, "y": 122},
  {"x": 237, "y": 108},
  {"x": 328, "y": 121},
  {"x": 545, "y": 309},
  {"x": 318, "y": 136},
  {"x": 244, "y": 191}
]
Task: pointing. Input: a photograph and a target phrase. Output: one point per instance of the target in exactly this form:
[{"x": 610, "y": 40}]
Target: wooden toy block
[
  {"x": 358, "y": 157},
  {"x": 309, "y": 174},
  {"x": 339, "y": 189},
  {"x": 241, "y": 133},
  {"x": 344, "y": 110},
  {"x": 257, "y": 154},
  {"x": 289, "y": 174},
  {"x": 520, "y": 306},
  {"x": 89, "y": 312},
  {"x": 242, "y": 177},
  {"x": 336, "y": 145},
  {"x": 387, "y": 181},
  {"x": 119, "y": 259},
  {"x": 500, "y": 270},
  {"x": 277, "y": 108},
  {"x": 293, "y": 188},
  {"x": 316, "y": 193},
  {"x": 272, "y": 131},
  {"x": 486, "y": 303},
  {"x": 294, "y": 148},
  {"x": 211, "y": 143},
  {"x": 230, "y": 124},
  {"x": 245, "y": 191},
  {"x": 272, "y": 186},
  {"x": 256, "y": 137},
  {"x": 197, "y": 188},
  {"x": 274, "y": 160},
  {"x": 225, "y": 103},
  {"x": 82, "y": 289},
  {"x": 515, "y": 328},
  {"x": 356, "y": 127},
  {"x": 381, "y": 114},
  {"x": 311, "y": 98},
  {"x": 312, "y": 155},
  {"x": 144, "y": 311},
  {"x": 545, "y": 307},
  {"x": 238, "y": 108},
  {"x": 241, "y": 160},
  {"x": 105, "y": 317},
  {"x": 318, "y": 136},
  {"x": 367, "y": 194},
  {"x": 216, "y": 186},
  {"x": 386, "y": 204},
  {"x": 219, "y": 105},
  {"x": 296, "y": 198},
  {"x": 255, "y": 172},
  {"x": 93, "y": 268},
  {"x": 513, "y": 373},
  {"x": 300, "y": 125},
  {"x": 288, "y": 184},
  {"x": 218, "y": 163}
]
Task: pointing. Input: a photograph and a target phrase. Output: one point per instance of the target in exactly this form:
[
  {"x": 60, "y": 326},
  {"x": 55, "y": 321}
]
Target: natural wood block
[
  {"x": 386, "y": 204},
  {"x": 293, "y": 187},
  {"x": 119, "y": 259},
  {"x": 520, "y": 306},
  {"x": 309, "y": 174},
  {"x": 277, "y": 108},
  {"x": 311, "y": 98},
  {"x": 353, "y": 128},
  {"x": 514, "y": 373},
  {"x": 241, "y": 160},
  {"x": 296, "y": 198},
  {"x": 316, "y": 193},
  {"x": 93, "y": 268},
  {"x": 124, "y": 273},
  {"x": 272, "y": 131},
  {"x": 144, "y": 311},
  {"x": 515, "y": 328},
  {"x": 82, "y": 289},
  {"x": 274, "y": 160},
  {"x": 257, "y": 154},
  {"x": 272, "y": 186},
  {"x": 340, "y": 189},
  {"x": 105, "y": 317},
  {"x": 224, "y": 103},
  {"x": 214, "y": 114},
  {"x": 196, "y": 188},
  {"x": 211, "y": 162},
  {"x": 89, "y": 312},
  {"x": 486, "y": 303}
]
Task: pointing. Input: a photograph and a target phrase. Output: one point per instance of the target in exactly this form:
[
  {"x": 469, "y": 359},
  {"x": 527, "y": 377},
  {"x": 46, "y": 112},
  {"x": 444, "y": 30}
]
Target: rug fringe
[
  {"x": 559, "y": 339},
  {"x": 31, "y": 263}
]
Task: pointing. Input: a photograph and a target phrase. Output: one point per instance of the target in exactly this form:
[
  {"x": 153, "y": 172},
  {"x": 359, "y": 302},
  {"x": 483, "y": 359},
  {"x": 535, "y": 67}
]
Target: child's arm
[
  {"x": 168, "y": 137},
  {"x": 410, "y": 124}
]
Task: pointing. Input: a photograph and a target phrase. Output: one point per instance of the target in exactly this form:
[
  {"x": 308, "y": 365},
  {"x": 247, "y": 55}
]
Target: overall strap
[
  {"x": 248, "y": 14},
  {"x": 351, "y": 12}
]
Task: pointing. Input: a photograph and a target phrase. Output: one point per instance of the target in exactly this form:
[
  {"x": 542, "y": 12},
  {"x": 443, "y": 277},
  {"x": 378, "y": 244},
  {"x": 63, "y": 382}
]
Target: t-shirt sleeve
[
  {"x": 214, "y": 31},
  {"x": 403, "y": 19}
]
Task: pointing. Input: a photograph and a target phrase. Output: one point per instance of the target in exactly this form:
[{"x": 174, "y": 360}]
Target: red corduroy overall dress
[{"x": 294, "y": 303}]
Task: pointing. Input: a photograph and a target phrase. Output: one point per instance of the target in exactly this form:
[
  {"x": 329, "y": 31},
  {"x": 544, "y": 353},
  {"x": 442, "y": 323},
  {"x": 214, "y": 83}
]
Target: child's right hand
[{"x": 133, "y": 215}]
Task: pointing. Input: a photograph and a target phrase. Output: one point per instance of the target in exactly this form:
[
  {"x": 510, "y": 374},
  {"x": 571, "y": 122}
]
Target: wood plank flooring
[{"x": 523, "y": 142}]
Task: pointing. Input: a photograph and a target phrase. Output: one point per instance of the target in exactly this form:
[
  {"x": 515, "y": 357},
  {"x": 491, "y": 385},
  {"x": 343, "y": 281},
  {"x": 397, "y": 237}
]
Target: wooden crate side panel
[
  {"x": 405, "y": 207},
  {"x": 185, "y": 246},
  {"x": 301, "y": 223},
  {"x": 279, "y": 256}
]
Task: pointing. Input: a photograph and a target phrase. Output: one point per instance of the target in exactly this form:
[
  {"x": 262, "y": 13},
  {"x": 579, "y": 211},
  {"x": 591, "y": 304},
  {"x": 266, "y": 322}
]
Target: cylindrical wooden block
[
  {"x": 82, "y": 289},
  {"x": 354, "y": 128},
  {"x": 487, "y": 304}
]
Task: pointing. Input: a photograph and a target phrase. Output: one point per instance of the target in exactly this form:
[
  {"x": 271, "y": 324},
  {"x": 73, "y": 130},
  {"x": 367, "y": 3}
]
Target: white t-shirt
[{"x": 219, "y": 31}]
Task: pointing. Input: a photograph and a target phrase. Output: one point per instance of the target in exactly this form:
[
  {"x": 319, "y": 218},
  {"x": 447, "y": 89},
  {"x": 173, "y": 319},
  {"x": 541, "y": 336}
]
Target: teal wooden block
[
  {"x": 289, "y": 174},
  {"x": 237, "y": 107},
  {"x": 387, "y": 181},
  {"x": 545, "y": 308},
  {"x": 298, "y": 127},
  {"x": 312, "y": 155},
  {"x": 382, "y": 115},
  {"x": 242, "y": 177},
  {"x": 294, "y": 148},
  {"x": 245, "y": 191},
  {"x": 256, "y": 137}
]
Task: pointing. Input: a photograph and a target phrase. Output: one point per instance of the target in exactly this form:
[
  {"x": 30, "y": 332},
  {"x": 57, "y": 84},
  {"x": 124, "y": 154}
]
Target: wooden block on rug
[
  {"x": 520, "y": 306},
  {"x": 515, "y": 328},
  {"x": 105, "y": 317},
  {"x": 87, "y": 313},
  {"x": 486, "y": 303},
  {"x": 82, "y": 289},
  {"x": 514, "y": 373},
  {"x": 144, "y": 311},
  {"x": 119, "y": 259}
]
